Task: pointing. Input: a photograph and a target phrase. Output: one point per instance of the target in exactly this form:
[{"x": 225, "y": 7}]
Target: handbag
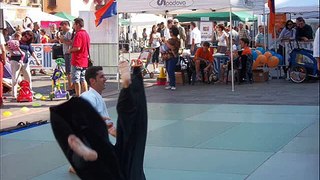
[
  {"x": 90, "y": 61},
  {"x": 181, "y": 64}
]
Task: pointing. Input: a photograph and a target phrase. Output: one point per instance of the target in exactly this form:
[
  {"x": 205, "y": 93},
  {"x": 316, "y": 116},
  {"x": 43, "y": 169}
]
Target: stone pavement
[{"x": 273, "y": 92}]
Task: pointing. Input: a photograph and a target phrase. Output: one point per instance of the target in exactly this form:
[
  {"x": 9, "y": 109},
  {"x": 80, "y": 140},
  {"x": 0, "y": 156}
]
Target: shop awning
[{"x": 217, "y": 16}]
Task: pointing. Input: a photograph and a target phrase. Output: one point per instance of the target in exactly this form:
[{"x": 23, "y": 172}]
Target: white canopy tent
[
  {"x": 146, "y": 19},
  {"x": 177, "y": 6},
  {"x": 174, "y": 6}
]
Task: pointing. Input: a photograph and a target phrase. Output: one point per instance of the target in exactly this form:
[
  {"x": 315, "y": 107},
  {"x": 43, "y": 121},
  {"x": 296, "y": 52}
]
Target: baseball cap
[{"x": 175, "y": 20}]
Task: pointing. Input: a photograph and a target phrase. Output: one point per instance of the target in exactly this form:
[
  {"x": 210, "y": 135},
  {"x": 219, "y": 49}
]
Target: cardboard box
[
  {"x": 260, "y": 75},
  {"x": 179, "y": 78}
]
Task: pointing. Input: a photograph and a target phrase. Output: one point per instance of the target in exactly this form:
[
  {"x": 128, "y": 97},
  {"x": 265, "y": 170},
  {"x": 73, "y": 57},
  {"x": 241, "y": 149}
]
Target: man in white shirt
[
  {"x": 167, "y": 30},
  {"x": 96, "y": 81},
  {"x": 195, "y": 38}
]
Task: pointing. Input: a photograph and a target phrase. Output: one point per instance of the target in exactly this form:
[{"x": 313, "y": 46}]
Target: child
[{"x": 16, "y": 54}]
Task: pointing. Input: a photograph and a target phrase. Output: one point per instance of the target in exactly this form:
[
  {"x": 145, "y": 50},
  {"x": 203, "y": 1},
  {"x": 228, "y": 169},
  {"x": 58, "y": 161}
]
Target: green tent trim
[
  {"x": 217, "y": 16},
  {"x": 65, "y": 16}
]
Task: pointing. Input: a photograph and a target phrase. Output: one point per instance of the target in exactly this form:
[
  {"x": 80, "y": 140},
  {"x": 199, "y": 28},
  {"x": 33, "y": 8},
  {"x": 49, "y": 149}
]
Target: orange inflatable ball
[
  {"x": 258, "y": 52},
  {"x": 255, "y": 65},
  {"x": 268, "y": 54},
  {"x": 273, "y": 62},
  {"x": 262, "y": 60}
]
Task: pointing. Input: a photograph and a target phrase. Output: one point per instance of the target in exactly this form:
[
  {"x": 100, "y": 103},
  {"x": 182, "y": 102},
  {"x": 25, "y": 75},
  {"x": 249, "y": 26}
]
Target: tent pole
[
  {"x": 264, "y": 28},
  {"x": 118, "y": 73},
  {"x": 231, "y": 49}
]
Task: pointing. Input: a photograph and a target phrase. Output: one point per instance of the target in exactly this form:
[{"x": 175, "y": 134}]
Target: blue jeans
[{"x": 171, "y": 66}]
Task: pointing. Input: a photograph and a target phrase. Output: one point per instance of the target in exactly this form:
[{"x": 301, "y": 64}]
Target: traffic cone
[
  {"x": 161, "y": 79},
  {"x": 162, "y": 74}
]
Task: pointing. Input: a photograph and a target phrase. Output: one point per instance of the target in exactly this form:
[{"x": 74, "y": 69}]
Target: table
[{"x": 219, "y": 59}]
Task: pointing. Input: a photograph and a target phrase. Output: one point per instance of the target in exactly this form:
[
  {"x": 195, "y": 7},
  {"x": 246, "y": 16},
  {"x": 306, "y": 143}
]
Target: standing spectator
[
  {"x": 246, "y": 61},
  {"x": 222, "y": 38},
  {"x": 2, "y": 63},
  {"x": 243, "y": 33},
  {"x": 66, "y": 40},
  {"x": 16, "y": 60},
  {"x": 54, "y": 34},
  {"x": 304, "y": 31},
  {"x": 6, "y": 35},
  {"x": 167, "y": 34},
  {"x": 36, "y": 31},
  {"x": 316, "y": 47},
  {"x": 235, "y": 35},
  {"x": 134, "y": 35},
  {"x": 259, "y": 39},
  {"x": 195, "y": 38},
  {"x": 162, "y": 28},
  {"x": 79, "y": 58},
  {"x": 144, "y": 34},
  {"x": 25, "y": 46},
  {"x": 214, "y": 34},
  {"x": 154, "y": 40},
  {"x": 287, "y": 33},
  {"x": 182, "y": 34},
  {"x": 44, "y": 37},
  {"x": 172, "y": 57}
]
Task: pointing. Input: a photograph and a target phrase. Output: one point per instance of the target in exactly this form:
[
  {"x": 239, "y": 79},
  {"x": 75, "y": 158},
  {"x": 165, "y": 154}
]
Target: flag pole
[{"x": 231, "y": 49}]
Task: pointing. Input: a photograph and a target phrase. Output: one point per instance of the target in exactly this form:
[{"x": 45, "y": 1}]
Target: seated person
[{"x": 203, "y": 60}]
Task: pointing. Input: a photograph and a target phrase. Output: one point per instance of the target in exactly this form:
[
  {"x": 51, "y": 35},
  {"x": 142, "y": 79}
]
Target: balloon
[
  {"x": 261, "y": 60},
  {"x": 261, "y": 50},
  {"x": 254, "y": 54},
  {"x": 273, "y": 53},
  {"x": 279, "y": 56},
  {"x": 258, "y": 52},
  {"x": 268, "y": 54},
  {"x": 273, "y": 62},
  {"x": 255, "y": 65}
]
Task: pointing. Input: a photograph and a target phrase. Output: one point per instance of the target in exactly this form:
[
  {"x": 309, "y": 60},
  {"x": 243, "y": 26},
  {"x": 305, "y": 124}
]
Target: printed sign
[
  {"x": 206, "y": 31},
  {"x": 44, "y": 54},
  {"x": 170, "y": 3}
]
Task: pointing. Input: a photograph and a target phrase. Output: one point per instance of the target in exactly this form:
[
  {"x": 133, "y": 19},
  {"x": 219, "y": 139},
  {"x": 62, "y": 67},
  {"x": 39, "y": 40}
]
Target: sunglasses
[
  {"x": 28, "y": 36},
  {"x": 290, "y": 24}
]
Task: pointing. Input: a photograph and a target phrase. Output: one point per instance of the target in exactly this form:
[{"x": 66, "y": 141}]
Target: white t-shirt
[
  {"x": 95, "y": 99},
  {"x": 316, "y": 45},
  {"x": 166, "y": 33},
  {"x": 156, "y": 40},
  {"x": 196, "y": 35},
  {"x": 222, "y": 39}
]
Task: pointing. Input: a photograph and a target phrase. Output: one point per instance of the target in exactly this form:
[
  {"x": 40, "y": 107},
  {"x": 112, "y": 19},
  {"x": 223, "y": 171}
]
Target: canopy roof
[
  {"x": 65, "y": 16},
  {"x": 216, "y": 16},
  {"x": 174, "y": 6}
]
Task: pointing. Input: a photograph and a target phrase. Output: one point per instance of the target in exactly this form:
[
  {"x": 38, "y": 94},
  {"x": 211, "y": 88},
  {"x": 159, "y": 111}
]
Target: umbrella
[{"x": 65, "y": 16}]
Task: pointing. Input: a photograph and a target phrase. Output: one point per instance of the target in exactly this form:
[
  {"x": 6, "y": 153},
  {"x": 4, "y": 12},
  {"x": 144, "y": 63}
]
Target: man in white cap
[{"x": 182, "y": 33}]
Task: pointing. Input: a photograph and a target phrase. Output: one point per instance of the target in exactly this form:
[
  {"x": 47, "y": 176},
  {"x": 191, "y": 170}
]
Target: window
[{"x": 52, "y": 3}]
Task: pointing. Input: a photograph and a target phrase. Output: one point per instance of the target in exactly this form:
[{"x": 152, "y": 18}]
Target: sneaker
[
  {"x": 168, "y": 87},
  {"x": 173, "y": 88}
]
